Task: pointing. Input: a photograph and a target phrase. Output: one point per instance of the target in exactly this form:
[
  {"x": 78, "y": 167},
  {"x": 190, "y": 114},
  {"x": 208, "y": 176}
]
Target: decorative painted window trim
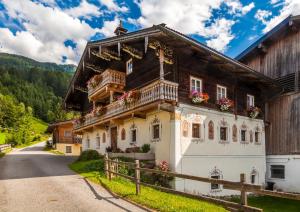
[
  {"x": 224, "y": 124},
  {"x": 254, "y": 173},
  {"x": 185, "y": 128},
  {"x": 133, "y": 128},
  {"x": 259, "y": 131},
  {"x": 216, "y": 173},
  {"x": 234, "y": 133},
  {"x": 221, "y": 88},
  {"x": 244, "y": 127},
  {"x": 196, "y": 79},
  {"x": 155, "y": 122},
  {"x": 201, "y": 137},
  {"x": 129, "y": 70},
  {"x": 211, "y": 130}
]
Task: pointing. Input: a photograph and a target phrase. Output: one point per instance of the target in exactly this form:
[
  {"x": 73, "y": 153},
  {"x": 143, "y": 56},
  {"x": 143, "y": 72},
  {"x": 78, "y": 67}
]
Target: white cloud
[
  {"x": 109, "y": 27},
  {"x": 192, "y": 17},
  {"x": 45, "y": 31},
  {"x": 113, "y": 6},
  {"x": 262, "y": 15},
  {"x": 290, "y": 7},
  {"x": 84, "y": 9}
]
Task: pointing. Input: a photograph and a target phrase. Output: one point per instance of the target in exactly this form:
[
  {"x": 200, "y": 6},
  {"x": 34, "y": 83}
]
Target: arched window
[
  {"x": 185, "y": 128},
  {"x": 234, "y": 133},
  {"x": 243, "y": 134},
  {"x": 211, "y": 132},
  {"x": 223, "y": 131},
  {"x": 215, "y": 174},
  {"x": 104, "y": 137},
  {"x": 155, "y": 130},
  {"x": 257, "y": 135},
  {"x": 123, "y": 134}
]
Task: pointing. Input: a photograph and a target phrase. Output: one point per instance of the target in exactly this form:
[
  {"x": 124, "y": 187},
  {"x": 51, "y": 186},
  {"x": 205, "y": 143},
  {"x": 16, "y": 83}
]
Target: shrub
[
  {"x": 89, "y": 155},
  {"x": 108, "y": 149},
  {"x": 95, "y": 165},
  {"x": 37, "y": 138},
  {"x": 146, "y": 148}
]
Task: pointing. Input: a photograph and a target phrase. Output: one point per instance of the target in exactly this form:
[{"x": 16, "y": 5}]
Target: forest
[{"x": 31, "y": 93}]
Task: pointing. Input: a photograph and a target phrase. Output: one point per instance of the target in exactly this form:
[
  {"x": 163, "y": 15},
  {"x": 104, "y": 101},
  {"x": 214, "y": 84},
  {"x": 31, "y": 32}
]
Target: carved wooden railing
[
  {"x": 158, "y": 90},
  {"x": 109, "y": 77}
]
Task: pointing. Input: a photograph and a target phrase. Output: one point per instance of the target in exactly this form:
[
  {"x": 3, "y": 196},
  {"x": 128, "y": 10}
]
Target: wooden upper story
[
  {"x": 277, "y": 53},
  {"x": 62, "y": 132},
  {"x": 130, "y": 74}
]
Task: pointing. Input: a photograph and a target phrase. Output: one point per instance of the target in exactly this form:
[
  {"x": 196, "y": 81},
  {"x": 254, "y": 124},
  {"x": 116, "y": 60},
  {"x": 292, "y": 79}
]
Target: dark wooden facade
[
  {"x": 277, "y": 55},
  {"x": 189, "y": 58}
]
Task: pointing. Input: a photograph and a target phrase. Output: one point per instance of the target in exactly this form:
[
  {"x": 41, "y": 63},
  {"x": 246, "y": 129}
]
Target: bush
[
  {"x": 96, "y": 165},
  {"x": 37, "y": 137},
  {"x": 146, "y": 148},
  {"x": 89, "y": 155}
]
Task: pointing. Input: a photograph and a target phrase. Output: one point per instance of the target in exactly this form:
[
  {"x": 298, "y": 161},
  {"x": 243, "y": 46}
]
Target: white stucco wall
[
  {"x": 291, "y": 182},
  {"x": 203, "y": 156}
]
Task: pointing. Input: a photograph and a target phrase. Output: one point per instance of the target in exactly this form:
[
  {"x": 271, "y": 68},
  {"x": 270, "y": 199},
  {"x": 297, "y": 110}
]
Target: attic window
[{"x": 129, "y": 66}]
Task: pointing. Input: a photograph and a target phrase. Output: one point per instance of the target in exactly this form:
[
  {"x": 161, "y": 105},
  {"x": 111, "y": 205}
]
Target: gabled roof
[
  {"x": 161, "y": 28},
  {"x": 270, "y": 36}
]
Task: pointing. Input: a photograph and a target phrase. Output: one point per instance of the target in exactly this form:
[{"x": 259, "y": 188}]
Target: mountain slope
[
  {"x": 38, "y": 85},
  {"x": 12, "y": 60}
]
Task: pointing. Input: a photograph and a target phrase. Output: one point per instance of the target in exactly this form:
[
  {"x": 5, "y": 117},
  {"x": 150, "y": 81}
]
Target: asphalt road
[{"x": 33, "y": 180}]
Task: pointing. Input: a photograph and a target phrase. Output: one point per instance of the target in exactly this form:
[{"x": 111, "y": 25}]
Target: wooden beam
[
  {"x": 84, "y": 90},
  {"x": 94, "y": 68},
  {"x": 132, "y": 51},
  {"x": 139, "y": 115}
]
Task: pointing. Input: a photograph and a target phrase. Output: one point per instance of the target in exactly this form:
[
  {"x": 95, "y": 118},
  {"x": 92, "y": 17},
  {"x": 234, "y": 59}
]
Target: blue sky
[{"x": 57, "y": 31}]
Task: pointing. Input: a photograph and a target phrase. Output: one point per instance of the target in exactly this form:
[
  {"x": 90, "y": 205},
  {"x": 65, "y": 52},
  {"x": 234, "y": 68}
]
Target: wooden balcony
[
  {"x": 110, "y": 80},
  {"x": 150, "y": 96}
]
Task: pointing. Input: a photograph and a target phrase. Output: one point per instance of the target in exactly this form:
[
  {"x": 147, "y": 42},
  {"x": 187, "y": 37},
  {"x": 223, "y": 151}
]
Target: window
[
  {"x": 243, "y": 135},
  {"x": 277, "y": 171},
  {"x": 196, "y": 130},
  {"x": 196, "y": 84},
  {"x": 68, "y": 149},
  {"x": 123, "y": 134},
  {"x": 256, "y": 137},
  {"x": 253, "y": 178},
  {"x": 103, "y": 137},
  {"x": 129, "y": 66},
  {"x": 88, "y": 142},
  {"x": 185, "y": 128},
  {"x": 156, "y": 132},
  {"x": 133, "y": 135},
  {"x": 211, "y": 130},
  {"x": 250, "y": 101},
  {"x": 234, "y": 133},
  {"x": 67, "y": 133},
  {"x": 214, "y": 186},
  {"x": 221, "y": 92},
  {"x": 98, "y": 141},
  {"x": 223, "y": 133}
]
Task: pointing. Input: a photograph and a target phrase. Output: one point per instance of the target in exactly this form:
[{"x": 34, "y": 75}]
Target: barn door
[{"x": 114, "y": 138}]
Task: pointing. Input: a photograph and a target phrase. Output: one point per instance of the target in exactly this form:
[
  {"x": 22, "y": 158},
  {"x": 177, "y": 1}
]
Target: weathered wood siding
[
  {"x": 282, "y": 57},
  {"x": 283, "y": 133}
]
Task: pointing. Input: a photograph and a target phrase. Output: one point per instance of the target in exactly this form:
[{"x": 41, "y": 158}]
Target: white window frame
[
  {"x": 222, "y": 88},
  {"x": 129, "y": 70},
  {"x": 284, "y": 172},
  {"x": 250, "y": 101},
  {"x": 98, "y": 141},
  {"x": 70, "y": 149},
  {"x": 196, "y": 79},
  {"x": 247, "y": 134}
]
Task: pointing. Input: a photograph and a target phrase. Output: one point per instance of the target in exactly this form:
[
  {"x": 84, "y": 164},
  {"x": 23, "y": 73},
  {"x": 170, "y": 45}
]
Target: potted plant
[
  {"x": 199, "y": 97},
  {"x": 225, "y": 104},
  {"x": 98, "y": 111},
  {"x": 129, "y": 97},
  {"x": 253, "y": 112}
]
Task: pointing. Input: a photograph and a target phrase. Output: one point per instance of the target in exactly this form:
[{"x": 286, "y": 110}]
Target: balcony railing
[
  {"x": 158, "y": 90},
  {"x": 108, "y": 77}
]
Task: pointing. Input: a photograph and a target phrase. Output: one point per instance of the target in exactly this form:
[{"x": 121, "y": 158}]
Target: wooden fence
[
  {"x": 111, "y": 170},
  {"x": 4, "y": 147}
]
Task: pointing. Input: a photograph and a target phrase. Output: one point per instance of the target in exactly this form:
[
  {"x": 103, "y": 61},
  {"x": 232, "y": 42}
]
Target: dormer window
[
  {"x": 221, "y": 92},
  {"x": 129, "y": 66},
  {"x": 196, "y": 84},
  {"x": 250, "y": 101}
]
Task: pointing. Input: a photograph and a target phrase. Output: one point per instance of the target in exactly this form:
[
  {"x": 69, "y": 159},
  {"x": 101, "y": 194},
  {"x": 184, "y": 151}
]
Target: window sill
[
  {"x": 257, "y": 143},
  {"x": 197, "y": 140},
  {"x": 244, "y": 142},
  {"x": 224, "y": 142},
  {"x": 155, "y": 140}
]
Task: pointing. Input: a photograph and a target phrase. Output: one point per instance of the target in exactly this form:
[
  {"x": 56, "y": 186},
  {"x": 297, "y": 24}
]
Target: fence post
[
  {"x": 137, "y": 177},
  {"x": 244, "y": 200},
  {"x": 106, "y": 164}
]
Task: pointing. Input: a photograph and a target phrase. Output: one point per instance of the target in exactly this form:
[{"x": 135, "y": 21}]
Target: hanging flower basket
[
  {"x": 225, "y": 104},
  {"x": 199, "y": 97},
  {"x": 129, "y": 97},
  {"x": 253, "y": 112}
]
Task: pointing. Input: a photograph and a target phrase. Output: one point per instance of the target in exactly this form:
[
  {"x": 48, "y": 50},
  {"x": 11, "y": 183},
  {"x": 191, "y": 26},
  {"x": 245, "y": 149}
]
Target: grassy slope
[
  {"x": 149, "y": 197},
  {"x": 2, "y": 138}
]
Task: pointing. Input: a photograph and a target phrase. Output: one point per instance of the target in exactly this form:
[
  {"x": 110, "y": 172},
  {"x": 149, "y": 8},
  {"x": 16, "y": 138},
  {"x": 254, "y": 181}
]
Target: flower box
[
  {"x": 253, "y": 112},
  {"x": 225, "y": 104},
  {"x": 199, "y": 97}
]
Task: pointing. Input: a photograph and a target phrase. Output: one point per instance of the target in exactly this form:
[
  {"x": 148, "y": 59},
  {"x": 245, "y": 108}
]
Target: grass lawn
[
  {"x": 149, "y": 197},
  {"x": 273, "y": 204}
]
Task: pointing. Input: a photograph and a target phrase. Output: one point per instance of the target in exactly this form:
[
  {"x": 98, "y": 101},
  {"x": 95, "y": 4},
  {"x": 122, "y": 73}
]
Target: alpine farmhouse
[
  {"x": 199, "y": 110},
  {"x": 277, "y": 55}
]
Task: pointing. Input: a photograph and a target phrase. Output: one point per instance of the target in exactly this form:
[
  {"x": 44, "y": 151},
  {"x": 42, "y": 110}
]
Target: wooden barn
[{"x": 277, "y": 55}]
